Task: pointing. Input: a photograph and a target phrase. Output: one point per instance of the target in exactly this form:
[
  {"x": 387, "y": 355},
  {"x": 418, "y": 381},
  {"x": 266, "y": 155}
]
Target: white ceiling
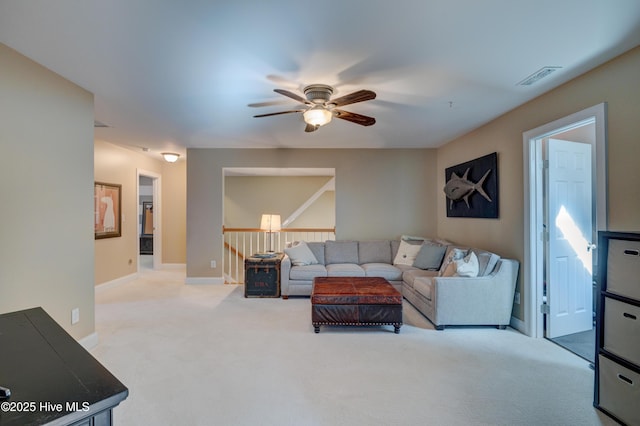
[{"x": 171, "y": 74}]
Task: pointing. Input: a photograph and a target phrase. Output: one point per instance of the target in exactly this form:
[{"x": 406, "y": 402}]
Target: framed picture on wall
[
  {"x": 472, "y": 188},
  {"x": 107, "y": 210}
]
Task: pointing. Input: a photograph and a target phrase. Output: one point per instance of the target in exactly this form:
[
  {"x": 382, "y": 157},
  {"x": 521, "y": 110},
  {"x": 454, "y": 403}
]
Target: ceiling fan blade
[
  {"x": 292, "y": 95},
  {"x": 311, "y": 128},
  {"x": 268, "y": 103},
  {"x": 278, "y": 113},
  {"x": 359, "y": 96},
  {"x": 363, "y": 120}
]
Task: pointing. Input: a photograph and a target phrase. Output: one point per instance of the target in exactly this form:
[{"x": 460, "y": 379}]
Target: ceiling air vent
[{"x": 538, "y": 75}]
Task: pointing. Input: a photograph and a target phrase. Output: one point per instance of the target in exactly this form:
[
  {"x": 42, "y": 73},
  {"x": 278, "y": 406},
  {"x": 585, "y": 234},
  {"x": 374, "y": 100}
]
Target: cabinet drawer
[
  {"x": 619, "y": 391},
  {"x": 623, "y": 268},
  {"x": 622, "y": 329}
]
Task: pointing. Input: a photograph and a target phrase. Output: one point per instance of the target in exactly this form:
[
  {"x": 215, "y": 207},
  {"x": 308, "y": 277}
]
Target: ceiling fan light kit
[
  {"x": 317, "y": 116},
  {"x": 321, "y": 109}
]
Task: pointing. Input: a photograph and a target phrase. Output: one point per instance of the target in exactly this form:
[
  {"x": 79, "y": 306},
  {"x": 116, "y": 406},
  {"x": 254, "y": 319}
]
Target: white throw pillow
[
  {"x": 468, "y": 266},
  {"x": 407, "y": 253},
  {"x": 448, "y": 268},
  {"x": 301, "y": 254}
]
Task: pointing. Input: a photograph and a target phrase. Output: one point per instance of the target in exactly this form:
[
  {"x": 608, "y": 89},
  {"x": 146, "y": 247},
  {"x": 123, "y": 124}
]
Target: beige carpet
[{"x": 205, "y": 355}]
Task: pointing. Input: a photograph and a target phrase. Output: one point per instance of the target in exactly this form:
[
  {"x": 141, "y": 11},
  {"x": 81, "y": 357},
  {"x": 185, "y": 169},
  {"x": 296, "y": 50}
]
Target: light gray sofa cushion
[
  {"x": 374, "y": 251},
  {"x": 384, "y": 270},
  {"x": 307, "y": 272},
  {"x": 344, "y": 270},
  {"x": 317, "y": 248},
  {"x": 395, "y": 245},
  {"x": 424, "y": 286},
  {"x": 410, "y": 275},
  {"x": 430, "y": 256},
  {"x": 341, "y": 252}
]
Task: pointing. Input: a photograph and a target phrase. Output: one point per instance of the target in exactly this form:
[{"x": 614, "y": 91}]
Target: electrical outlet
[
  {"x": 517, "y": 298},
  {"x": 75, "y": 316},
  {"x": 213, "y": 264}
]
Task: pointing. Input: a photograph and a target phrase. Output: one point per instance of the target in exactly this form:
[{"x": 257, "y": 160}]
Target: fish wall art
[{"x": 471, "y": 188}]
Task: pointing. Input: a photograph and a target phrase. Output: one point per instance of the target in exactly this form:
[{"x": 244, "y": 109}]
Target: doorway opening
[
  {"x": 302, "y": 198},
  {"x": 563, "y": 214},
  {"x": 149, "y": 223}
]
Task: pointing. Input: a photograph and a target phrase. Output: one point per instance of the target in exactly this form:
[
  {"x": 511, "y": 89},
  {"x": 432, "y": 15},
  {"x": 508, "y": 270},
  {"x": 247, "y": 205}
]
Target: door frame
[
  {"x": 157, "y": 215},
  {"x": 533, "y": 274}
]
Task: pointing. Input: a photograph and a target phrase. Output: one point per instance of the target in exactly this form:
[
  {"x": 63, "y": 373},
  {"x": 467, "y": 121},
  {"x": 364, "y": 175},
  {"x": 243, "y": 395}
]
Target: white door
[{"x": 569, "y": 222}]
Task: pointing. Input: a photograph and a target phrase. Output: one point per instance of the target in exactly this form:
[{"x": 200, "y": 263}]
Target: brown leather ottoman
[{"x": 355, "y": 301}]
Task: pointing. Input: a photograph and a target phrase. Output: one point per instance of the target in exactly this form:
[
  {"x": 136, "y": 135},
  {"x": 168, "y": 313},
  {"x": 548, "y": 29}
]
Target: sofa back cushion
[
  {"x": 317, "y": 248},
  {"x": 395, "y": 245},
  {"x": 374, "y": 252},
  {"x": 340, "y": 252}
]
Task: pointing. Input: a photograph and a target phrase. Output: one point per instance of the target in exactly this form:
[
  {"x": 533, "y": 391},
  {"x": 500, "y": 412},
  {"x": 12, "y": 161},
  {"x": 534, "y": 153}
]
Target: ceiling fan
[{"x": 320, "y": 108}]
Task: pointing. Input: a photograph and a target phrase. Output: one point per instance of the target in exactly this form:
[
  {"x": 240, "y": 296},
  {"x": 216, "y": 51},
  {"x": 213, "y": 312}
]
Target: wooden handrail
[
  {"x": 224, "y": 230},
  {"x": 234, "y": 250}
]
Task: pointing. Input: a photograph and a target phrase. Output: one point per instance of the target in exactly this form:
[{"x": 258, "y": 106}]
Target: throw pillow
[
  {"x": 467, "y": 266},
  {"x": 448, "y": 268},
  {"x": 407, "y": 253},
  {"x": 411, "y": 238},
  {"x": 301, "y": 254},
  {"x": 430, "y": 256}
]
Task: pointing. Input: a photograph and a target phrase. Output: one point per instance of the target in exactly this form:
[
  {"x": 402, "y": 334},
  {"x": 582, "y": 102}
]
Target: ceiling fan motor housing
[{"x": 318, "y": 93}]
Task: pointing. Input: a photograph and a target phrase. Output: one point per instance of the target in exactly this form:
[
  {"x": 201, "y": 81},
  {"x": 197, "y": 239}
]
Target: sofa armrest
[
  {"x": 484, "y": 300},
  {"x": 285, "y": 269}
]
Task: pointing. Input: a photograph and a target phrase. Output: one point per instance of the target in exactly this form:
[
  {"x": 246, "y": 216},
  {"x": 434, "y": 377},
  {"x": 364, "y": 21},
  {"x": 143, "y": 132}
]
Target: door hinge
[
  {"x": 544, "y": 308},
  {"x": 545, "y": 164},
  {"x": 544, "y": 236}
]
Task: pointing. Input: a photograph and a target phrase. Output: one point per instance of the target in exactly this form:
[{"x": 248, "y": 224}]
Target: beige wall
[
  {"x": 174, "y": 212},
  {"x": 118, "y": 257},
  {"x": 46, "y": 183},
  {"x": 248, "y": 197},
  {"x": 379, "y": 194},
  {"x": 618, "y": 84}
]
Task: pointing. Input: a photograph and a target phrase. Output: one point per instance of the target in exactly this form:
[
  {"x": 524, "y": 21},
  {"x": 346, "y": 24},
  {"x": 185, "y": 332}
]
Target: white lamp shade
[
  {"x": 317, "y": 116},
  {"x": 270, "y": 222}
]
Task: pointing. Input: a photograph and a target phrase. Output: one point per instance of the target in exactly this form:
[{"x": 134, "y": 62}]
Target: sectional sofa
[{"x": 449, "y": 284}]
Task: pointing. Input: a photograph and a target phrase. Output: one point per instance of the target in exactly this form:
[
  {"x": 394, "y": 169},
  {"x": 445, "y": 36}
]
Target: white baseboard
[
  {"x": 89, "y": 342},
  {"x": 204, "y": 280},
  {"x": 116, "y": 282},
  {"x": 518, "y": 324}
]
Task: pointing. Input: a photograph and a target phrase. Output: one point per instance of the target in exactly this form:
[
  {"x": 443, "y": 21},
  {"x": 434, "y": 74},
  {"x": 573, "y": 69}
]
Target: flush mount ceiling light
[{"x": 170, "y": 157}]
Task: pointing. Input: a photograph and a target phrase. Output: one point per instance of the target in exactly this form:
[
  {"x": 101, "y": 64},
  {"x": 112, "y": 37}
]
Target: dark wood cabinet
[
  {"x": 617, "y": 363},
  {"x": 262, "y": 276},
  {"x": 52, "y": 378},
  {"x": 146, "y": 244}
]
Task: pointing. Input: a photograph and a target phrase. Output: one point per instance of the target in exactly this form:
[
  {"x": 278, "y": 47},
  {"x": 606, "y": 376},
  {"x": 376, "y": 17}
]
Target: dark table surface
[{"x": 52, "y": 378}]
